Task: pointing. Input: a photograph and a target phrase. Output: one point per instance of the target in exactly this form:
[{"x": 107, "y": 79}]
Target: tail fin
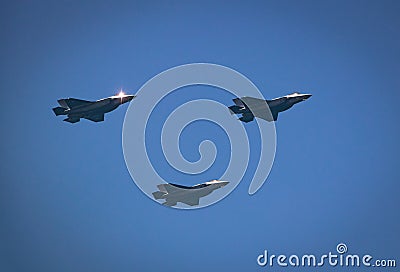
[
  {"x": 159, "y": 195},
  {"x": 235, "y": 109},
  {"x": 59, "y": 111}
]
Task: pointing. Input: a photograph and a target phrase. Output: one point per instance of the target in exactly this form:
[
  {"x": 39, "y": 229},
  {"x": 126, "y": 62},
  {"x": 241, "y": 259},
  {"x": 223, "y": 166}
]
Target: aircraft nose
[
  {"x": 127, "y": 98},
  {"x": 224, "y": 183},
  {"x": 306, "y": 96}
]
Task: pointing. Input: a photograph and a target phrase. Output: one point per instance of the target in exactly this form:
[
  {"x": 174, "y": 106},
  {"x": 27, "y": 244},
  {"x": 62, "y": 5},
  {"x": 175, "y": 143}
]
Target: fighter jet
[
  {"x": 251, "y": 107},
  {"x": 190, "y": 195},
  {"x": 94, "y": 111}
]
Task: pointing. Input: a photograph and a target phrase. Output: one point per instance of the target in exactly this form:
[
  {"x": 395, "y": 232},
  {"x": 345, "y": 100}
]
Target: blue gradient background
[{"x": 67, "y": 200}]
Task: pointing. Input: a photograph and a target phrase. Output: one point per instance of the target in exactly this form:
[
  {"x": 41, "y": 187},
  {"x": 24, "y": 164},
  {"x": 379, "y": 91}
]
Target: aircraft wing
[
  {"x": 95, "y": 117},
  {"x": 73, "y": 103},
  {"x": 72, "y": 119},
  {"x": 193, "y": 201},
  {"x": 274, "y": 115},
  {"x": 258, "y": 107},
  {"x": 170, "y": 203}
]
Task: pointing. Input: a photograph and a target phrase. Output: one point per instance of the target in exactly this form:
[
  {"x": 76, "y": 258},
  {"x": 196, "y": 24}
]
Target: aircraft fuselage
[
  {"x": 100, "y": 106},
  {"x": 91, "y": 110},
  {"x": 258, "y": 106}
]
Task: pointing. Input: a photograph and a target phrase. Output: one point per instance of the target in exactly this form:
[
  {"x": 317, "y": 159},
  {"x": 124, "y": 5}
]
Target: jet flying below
[
  {"x": 250, "y": 107},
  {"x": 190, "y": 195},
  {"x": 75, "y": 109}
]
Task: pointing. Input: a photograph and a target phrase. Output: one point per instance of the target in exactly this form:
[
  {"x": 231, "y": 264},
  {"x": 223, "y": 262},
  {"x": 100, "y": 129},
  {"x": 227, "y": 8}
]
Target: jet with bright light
[
  {"x": 190, "y": 195},
  {"x": 268, "y": 110},
  {"x": 75, "y": 109}
]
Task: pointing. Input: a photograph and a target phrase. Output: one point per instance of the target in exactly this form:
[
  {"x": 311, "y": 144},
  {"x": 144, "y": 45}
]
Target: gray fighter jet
[
  {"x": 94, "y": 111},
  {"x": 190, "y": 195},
  {"x": 251, "y": 107}
]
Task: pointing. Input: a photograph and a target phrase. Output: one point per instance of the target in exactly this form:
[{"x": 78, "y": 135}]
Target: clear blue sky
[{"x": 67, "y": 200}]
